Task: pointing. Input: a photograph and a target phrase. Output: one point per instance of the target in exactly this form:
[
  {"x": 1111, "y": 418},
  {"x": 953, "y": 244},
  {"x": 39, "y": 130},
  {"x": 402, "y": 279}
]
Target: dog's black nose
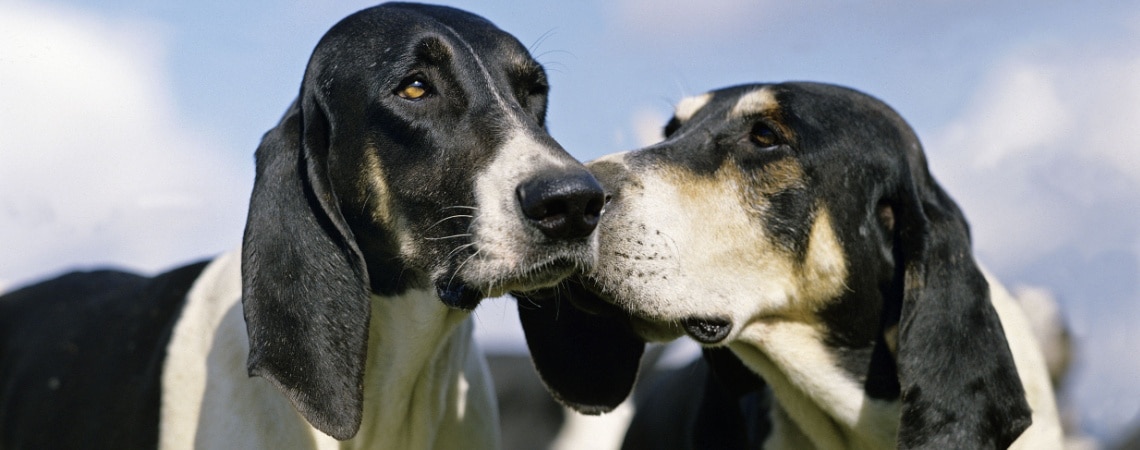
[{"x": 563, "y": 204}]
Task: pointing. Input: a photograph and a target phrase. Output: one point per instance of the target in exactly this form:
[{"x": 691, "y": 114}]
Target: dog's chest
[{"x": 425, "y": 386}]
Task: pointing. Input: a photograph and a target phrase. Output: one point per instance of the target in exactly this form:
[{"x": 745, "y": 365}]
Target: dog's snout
[{"x": 563, "y": 205}]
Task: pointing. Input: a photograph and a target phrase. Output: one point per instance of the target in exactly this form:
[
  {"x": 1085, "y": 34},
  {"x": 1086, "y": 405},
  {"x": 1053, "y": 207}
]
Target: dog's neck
[
  {"x": 425, "y": 383},
  {"x": 820, "y": 405}
]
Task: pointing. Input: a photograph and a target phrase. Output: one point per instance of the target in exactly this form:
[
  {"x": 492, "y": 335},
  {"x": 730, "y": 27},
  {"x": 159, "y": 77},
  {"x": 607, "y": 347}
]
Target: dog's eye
[
  {"x": 413, "y": 89},
  {"x": 763, "y": 136}
]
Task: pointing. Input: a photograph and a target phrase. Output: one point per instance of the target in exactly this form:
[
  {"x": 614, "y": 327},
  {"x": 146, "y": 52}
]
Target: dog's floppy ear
[
  {"x": 959, "y": 385},
  {"x": 304, "y": 282},
  {"x": 588, "y": 360}
]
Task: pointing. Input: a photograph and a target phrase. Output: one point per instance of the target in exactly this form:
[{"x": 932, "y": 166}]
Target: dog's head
[
  {"x": 807, "y": 204},
  {"x": 415, "y": 157}
]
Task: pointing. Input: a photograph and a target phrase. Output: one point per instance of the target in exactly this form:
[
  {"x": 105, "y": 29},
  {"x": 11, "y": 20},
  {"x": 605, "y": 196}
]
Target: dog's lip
[
  {"x": 546, "y": 274},
  {"x": 541, "y": 275},
  {"x": 707, "y": 330},
  {"x": 458, "y": 295}
]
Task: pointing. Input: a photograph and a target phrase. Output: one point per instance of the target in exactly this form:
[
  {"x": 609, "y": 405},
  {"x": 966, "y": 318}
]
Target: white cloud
[
  {"x": 1048, "y": 145},
  {"x": 98, "y": 166},
  {"x": 1017, "y": 115}
]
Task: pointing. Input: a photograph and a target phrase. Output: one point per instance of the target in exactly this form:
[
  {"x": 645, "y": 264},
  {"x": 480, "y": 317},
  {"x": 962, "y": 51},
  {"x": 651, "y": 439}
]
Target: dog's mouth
[
  {"x": 458, "y": 295},
  {"x": 707, "y": 331},
  {"x": 592, "y": 297},
  {"x": 465, "y": 294}
]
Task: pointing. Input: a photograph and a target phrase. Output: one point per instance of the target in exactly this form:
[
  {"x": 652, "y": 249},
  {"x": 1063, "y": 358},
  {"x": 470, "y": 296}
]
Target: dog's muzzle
[{"x": 562, "y": 204}]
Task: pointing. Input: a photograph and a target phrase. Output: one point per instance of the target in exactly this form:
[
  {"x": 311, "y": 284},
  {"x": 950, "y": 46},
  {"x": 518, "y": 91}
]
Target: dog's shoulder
[{"x": 208, "y": 398}]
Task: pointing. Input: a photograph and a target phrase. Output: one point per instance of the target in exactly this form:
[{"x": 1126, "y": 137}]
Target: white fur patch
[
  {"x": 824, "y": 404},
  {"x": 208, "y": 399},
  {"x": 426, "y": 383}
]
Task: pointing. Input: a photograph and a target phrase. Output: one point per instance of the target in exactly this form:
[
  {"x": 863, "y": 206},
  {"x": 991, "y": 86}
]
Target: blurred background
[{"x": 127, "y": 128}]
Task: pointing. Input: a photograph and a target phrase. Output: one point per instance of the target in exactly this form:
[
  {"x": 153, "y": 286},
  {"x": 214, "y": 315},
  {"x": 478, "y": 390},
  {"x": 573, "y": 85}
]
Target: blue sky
[{"x": 127, "y": 127}]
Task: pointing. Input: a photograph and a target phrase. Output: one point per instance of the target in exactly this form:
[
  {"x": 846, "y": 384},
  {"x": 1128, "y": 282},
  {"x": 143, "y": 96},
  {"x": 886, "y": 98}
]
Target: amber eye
[
  {"x": 413, "y": 89},
  {"x": 763, "y": 136}
]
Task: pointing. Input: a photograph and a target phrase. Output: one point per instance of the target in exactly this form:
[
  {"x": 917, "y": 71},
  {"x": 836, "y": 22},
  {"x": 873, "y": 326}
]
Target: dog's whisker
[
  {"x": 364, "y": 204},
  {"x": 542, "y": 38},
  {"x": 457, "y": 216},
  {"x": 460, "y": 267},
  {"x": 459, "y": 249},
  {"x": 454, "y": 236}
]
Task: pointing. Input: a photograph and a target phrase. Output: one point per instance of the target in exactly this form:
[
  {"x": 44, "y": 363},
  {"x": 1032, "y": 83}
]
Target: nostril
[{"x": 562, "y": 204}]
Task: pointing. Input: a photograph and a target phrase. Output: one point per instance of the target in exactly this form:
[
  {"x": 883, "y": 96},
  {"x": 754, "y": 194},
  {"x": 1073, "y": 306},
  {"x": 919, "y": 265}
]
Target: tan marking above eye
[
  {"x": 760, "y": 101},
  {"x": 413, "y": 90},
  {"x": 689, "y": 106}
]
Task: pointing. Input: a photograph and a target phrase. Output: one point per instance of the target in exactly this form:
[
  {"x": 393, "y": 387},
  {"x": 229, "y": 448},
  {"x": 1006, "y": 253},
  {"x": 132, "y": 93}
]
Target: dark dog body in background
[
  {"x": 795, "y": 231},
  {"x": 412, "y": 177}
]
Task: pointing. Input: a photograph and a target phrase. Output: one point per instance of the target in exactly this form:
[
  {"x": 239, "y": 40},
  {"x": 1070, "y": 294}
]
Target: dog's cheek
[
  {"x": 823, "y": 272},
  {"x": 375, "y": 191}
]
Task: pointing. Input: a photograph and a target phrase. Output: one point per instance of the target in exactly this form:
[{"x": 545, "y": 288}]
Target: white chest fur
[{"x": 426, "y": 384}]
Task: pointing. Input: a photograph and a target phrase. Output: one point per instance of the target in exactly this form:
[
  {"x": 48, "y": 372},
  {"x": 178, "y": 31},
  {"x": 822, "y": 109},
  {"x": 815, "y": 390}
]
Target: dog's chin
[
  {"x": 654, "y": 331},
  {"x": 466, "y": 294},
  {"x": 651, "y": 326}
]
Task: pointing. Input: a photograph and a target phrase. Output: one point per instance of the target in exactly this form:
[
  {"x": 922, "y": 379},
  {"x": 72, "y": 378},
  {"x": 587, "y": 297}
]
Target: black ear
[
  {"x": 588, "y": 360},
  {"x": 959, "y": 385},
  {"x": 304, "y": 283}
]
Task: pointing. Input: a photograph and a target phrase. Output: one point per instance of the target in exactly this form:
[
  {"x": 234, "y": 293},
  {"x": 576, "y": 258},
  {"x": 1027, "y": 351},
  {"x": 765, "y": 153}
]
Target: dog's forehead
[
  {"x": 729, "y": 103},
  {"x": 391, "y": 23}
]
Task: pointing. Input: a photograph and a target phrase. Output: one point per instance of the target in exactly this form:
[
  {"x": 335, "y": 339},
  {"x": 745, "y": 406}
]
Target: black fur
[
  {"x": 81, "y": 359},
  {"x": 588, "y": 360},
  {"x": 714, "y": 402},
  {"x": 316, "y": 246}
]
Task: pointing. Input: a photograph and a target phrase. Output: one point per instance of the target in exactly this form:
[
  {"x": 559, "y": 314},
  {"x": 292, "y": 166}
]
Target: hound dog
[
  {"x": 412, "y": 177},
  {"x": 795, "y": 231}
]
